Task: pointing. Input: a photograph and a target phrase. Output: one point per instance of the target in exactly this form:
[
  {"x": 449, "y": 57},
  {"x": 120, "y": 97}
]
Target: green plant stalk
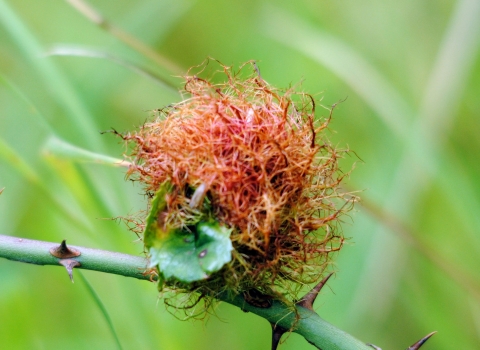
[
  {"x": 305, "y": 322},
  {"x": 38, "y": 252},
  {"x": 310, "y": 325}
]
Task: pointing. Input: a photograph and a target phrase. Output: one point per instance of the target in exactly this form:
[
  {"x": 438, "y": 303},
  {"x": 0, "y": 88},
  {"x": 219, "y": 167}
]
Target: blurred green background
[{"x": 411, "y": 73}]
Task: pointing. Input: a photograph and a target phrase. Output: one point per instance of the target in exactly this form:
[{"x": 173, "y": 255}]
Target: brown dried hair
[{"x": 267, "y": 170}]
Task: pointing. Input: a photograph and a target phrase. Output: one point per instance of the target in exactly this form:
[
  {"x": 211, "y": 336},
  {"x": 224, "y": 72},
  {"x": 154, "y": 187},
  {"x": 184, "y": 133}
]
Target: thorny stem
[
  {"x": 38, "y": 252},
  {"x": 306, "y": 322}
]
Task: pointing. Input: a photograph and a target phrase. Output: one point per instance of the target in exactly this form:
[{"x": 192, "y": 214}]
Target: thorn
[
  {"x": 309, "y": 298},
  {"x": 374, "y": 346},
  {"x": 422, "y": 341},
  {"x": 69, "y": 264},
  {"x": 64, "y": 252},
  {"x": 277, "y": 333},
  {"x": 1, "y": 191}
]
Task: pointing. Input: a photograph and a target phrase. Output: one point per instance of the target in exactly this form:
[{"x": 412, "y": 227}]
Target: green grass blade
[
  {"x": 79, "y": 51},
  {"x": 422, "y": 155},
  {"x": 63, "y": 150},
  {"x": 41, "y": 120},
  {"x": 9, "y": 156},
  {"x": 345, "y": 62},
  {"x": 53, "y": 79},
  {"x": 101, "y": 307},
  {"x": 451, "y": 70},
  {"x": 94, "y": 16}
]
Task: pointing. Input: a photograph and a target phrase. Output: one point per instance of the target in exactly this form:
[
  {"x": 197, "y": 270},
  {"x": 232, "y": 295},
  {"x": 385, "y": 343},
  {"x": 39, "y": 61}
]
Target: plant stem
[
  {"x": 305, "y": 322},
  {"x": 37, "y": 252}
]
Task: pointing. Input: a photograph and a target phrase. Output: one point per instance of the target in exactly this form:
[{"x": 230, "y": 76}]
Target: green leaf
[
  {"x": 153, "y": 226},
  {"x": 214, "y": 245},
  {"x": 188, "y": 255}
]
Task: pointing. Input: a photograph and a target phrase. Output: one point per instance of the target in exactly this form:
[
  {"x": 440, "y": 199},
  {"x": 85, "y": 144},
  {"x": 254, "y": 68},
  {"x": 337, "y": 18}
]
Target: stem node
[
  {"x": 69, "y": 264},
  {"x": 64, "y": 252}
]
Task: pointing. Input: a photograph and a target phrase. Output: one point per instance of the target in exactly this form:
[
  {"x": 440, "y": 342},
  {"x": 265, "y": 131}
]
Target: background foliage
[{"x": 411, "y": 73}]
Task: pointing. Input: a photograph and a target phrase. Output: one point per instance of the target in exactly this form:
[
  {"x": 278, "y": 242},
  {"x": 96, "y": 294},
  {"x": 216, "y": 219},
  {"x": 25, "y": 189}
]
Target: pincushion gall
[{"x": 255, "y": 160}]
